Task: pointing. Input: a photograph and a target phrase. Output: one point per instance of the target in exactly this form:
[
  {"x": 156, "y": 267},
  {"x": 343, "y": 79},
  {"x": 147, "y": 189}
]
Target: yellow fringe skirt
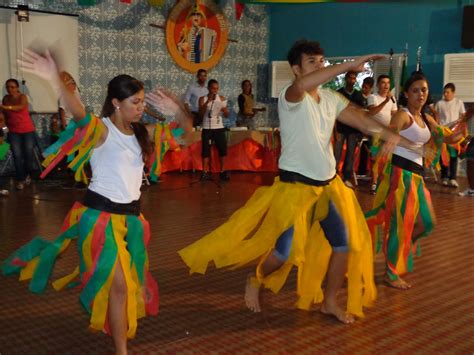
[{"x": 252, "y": 231}]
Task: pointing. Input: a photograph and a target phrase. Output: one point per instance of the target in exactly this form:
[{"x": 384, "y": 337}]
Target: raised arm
[
  {"x": 308, "y": 82},
  {"x": 154, "y": 114},
  {"x": 167, "y": 104},
  {"x": 459, "y": 132},
  {"x": 373, "y": 110},
  {"x": 45, "y": 67},
  {"x": 360, "y": 119}
]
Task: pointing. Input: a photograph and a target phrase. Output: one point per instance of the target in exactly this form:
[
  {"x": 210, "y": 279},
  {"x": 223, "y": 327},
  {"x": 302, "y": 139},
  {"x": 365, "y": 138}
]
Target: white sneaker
[
  {"x": 28, "y": 180},
  {"x": 348, "y": 184},
  {"x": 4, "y": 192},
  {"x": 453, "y": 183},
  {"x": 444, "y": 182},
  {"x": 20, "y": 185},
  {"x": 467, "y": 193}
]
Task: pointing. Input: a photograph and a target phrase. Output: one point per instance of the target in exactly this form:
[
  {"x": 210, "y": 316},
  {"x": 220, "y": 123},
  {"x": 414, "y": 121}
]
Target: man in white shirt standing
[
  {"x": 307, "y": 116},
  {"x": 450, "y": 109},
  {"x": 192, "y": 95},
  {"x": 382, "y": 106},
  {"x": 308, "y": 218}
]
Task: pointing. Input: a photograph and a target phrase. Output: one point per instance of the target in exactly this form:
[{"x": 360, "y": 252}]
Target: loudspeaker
[{"x": 467, "y": 37}]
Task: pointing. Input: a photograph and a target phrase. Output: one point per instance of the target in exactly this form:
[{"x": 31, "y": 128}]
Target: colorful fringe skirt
[
  {"x": 252, "y": 231},
  {"x": 402, "y": 200},
  {"x": 104, "y": 240}
]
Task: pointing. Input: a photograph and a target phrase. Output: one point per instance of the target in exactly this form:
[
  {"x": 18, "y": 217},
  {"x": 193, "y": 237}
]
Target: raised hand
[
  {"x": 43, "y": 66},
  {"x": 163, "y": 101},
  {"x": 358, "y": 65},
  {"x": 168, "y": 104}
]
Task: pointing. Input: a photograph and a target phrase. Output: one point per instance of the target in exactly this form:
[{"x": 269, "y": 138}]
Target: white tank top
[
  {"x": 117, "y": 166},
  {"x": 418, "y": 135},
  {"x": 212, "y": 118}
]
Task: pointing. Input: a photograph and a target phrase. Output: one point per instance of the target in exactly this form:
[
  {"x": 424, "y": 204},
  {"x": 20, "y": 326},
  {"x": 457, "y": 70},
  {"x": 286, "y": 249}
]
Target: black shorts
[{"x": 213, "y": 136}]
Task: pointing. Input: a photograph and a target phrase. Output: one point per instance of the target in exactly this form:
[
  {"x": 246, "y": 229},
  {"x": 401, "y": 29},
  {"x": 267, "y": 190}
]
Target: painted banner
[{"x": 196, "y": 34}]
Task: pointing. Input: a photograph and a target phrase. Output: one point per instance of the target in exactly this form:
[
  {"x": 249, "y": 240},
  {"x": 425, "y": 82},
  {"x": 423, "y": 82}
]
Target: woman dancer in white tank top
[
  {"x": 116, "y": 285},
  {"x": 402, "y": 211}
]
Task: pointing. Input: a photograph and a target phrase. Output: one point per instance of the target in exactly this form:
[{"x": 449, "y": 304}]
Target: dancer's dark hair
[{"x": 301, "y": 47}]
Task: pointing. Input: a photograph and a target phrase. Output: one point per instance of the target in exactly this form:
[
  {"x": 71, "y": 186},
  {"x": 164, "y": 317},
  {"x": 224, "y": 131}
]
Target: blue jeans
[
  {"x": 333, "y": 227},
  {"x": 22, "y": 146}
]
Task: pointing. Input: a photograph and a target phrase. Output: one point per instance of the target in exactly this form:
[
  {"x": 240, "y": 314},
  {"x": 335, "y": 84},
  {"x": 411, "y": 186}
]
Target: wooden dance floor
[{"x": 204, "y": 314}]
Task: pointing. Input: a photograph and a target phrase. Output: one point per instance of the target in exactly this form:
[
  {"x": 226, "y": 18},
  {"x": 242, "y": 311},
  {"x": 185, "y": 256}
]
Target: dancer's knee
[
  {"x": 283, "y": 245},
  {"x": 118, "y": 289},
  {"x": 335, "y": 230}
]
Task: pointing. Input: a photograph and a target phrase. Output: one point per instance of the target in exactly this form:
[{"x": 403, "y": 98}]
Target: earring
[{"x": 117, "y": 107}]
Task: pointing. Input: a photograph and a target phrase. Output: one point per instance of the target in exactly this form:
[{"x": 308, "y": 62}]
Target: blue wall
[{"x": 355, "y": 29}]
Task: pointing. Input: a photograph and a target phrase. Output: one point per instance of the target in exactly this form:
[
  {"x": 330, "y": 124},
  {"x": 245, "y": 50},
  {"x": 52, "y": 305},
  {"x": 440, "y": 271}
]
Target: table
[{"x": 246, "y": 151}]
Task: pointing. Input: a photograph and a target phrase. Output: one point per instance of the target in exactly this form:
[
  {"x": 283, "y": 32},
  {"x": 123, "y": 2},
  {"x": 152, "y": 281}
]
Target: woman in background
[
  {"x": 247, "y": 109},
  {"x": 21, "y": 132}
]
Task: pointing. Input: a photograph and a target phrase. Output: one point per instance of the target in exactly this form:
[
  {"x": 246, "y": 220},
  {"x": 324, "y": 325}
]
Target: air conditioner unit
[{"x": 459, "y": 70}]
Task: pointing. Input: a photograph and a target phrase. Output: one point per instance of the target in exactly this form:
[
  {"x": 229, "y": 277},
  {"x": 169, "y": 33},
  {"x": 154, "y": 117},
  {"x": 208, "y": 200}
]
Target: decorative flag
[
  {"x": 86, "y": 2},
  {"x": 239, "y": 9},
  {"x": 156, "y": 2},
  {"x": 403, "y": 76},
  {"x": 418, "y": 60},
  {"x": 390, "y": 73}
]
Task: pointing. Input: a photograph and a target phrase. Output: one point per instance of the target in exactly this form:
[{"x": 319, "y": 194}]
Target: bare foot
[
  {"x": 333, "y": 309},
  {"x": 252, "y": 294},
  {"x": 399, "y": 283}
]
